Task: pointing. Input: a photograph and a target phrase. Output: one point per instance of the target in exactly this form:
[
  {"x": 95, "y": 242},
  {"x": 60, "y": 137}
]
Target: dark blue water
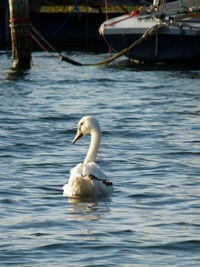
[{"x": 150, "y": 150}]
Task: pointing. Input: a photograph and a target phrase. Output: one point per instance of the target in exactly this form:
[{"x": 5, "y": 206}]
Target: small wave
[
  {"x": 7, "y": 201},
  {"x": 122, "y": 232},
  {"x": 145, "y": 195},
  {"x": 188, "y": 245},
  {"x": 38, "y": 234},
  {"x": 54, "y": 246},
  {"x": 185, "y": 153},
  {"x": 58, "y": 118}
]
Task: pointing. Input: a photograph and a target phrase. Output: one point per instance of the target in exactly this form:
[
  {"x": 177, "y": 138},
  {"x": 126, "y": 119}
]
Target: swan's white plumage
[
  {"x": 87, "y": 169},
  {"x": 86, "y": 179}
]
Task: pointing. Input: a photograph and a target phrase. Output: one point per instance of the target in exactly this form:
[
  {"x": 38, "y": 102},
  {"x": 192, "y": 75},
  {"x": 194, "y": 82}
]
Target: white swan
[{"x": 87, "y": 179}]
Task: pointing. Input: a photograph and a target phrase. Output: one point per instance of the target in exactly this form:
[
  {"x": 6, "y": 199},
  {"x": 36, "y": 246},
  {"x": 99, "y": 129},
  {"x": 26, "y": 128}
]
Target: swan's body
[{"x": 87, "y": 179}]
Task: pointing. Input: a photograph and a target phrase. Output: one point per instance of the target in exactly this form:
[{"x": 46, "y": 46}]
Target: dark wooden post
[{"x": 20, "y": 33}]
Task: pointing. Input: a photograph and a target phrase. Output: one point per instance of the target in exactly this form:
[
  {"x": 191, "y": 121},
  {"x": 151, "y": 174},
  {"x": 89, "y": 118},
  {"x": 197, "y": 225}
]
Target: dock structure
[{"x": 69, "y": 24}]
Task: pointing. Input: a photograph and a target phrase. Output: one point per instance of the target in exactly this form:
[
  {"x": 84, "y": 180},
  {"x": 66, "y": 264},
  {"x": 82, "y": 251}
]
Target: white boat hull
[{"x": 179, "y": 42}]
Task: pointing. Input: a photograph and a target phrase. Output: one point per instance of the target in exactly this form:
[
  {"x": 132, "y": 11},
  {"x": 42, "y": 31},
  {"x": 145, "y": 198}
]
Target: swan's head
[{"x": 87, "y": 125}]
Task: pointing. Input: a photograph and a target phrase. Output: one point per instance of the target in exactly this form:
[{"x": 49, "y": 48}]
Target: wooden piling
[{"x": 20, "y": 33}]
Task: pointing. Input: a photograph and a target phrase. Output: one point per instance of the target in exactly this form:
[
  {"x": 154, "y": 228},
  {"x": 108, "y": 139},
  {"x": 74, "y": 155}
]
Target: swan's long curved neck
[{"x": 94, "y": 146}]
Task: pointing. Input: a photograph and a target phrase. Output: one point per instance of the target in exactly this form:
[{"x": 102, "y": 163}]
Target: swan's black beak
[{"x": 78, "y": 136}]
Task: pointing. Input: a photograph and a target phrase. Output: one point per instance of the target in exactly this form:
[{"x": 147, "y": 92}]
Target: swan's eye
[{"x": 80, "y": 126}]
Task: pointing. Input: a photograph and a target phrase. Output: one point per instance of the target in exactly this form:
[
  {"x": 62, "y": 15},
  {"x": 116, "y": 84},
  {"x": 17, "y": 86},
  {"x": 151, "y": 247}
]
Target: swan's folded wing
[
  {"x": 87, "y": 169},
  {"x": 93, "y": 169},
  {"x": 77, "y": 170}
]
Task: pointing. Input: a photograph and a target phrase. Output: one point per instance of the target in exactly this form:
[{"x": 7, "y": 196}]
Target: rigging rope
[{"x": 153, "y": 30}]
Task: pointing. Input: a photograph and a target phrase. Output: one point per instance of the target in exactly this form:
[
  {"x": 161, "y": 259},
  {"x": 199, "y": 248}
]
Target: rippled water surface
[{"x": 150, "y": 149}]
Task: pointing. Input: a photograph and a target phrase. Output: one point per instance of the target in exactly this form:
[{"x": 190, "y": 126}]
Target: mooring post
[{"x": 20, "y": 33}]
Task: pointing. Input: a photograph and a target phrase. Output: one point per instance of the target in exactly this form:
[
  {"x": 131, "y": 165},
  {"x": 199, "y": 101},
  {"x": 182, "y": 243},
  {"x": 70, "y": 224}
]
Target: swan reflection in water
[{"x": 88, "y": 209}]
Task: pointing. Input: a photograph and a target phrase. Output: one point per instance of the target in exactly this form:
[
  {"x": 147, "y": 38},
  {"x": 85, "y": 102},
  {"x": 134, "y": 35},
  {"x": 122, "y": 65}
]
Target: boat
[{"x": 166, "y": 33}]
